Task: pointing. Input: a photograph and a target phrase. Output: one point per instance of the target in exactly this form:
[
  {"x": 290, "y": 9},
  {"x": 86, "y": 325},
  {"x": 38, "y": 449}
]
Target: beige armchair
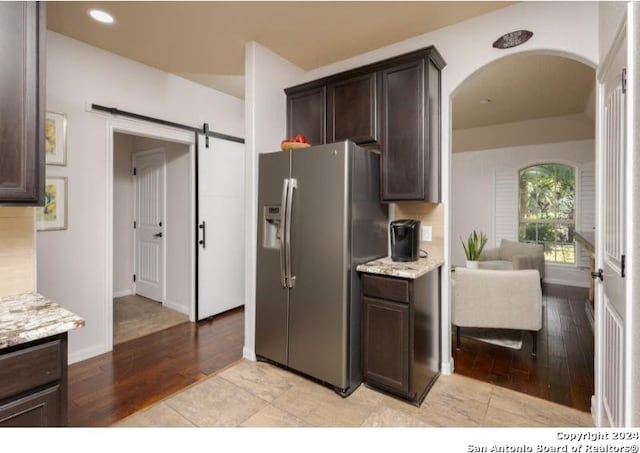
[
  {"x": 512, "y": 255},
  {"x": 499, "y": 299}
]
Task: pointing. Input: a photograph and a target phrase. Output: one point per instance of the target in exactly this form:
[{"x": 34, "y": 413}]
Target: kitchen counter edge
[
  {"x": 32, "y": 316},
  {"x": 408, "y": 269}
]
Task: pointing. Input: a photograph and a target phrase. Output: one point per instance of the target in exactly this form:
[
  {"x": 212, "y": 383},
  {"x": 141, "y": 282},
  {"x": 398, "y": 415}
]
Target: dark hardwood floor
[
  {"x": 139, "y": 372},
  {"x": 561, "y": 372}
]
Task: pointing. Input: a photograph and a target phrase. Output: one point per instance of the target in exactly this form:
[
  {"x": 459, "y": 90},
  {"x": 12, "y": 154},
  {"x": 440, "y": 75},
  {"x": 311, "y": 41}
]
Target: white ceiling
[
  {"x": 204, "y": 42},
  {"x": 523, "y": 87},
  {"x": 534, "y": 99}
]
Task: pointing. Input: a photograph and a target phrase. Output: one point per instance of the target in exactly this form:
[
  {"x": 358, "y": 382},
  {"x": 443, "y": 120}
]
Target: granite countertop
[
  {"x": 409, "y": 269},
  {"x": 31, "y": 316}
]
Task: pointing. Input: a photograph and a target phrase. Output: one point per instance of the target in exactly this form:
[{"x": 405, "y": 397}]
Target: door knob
[
  {"x": 158, "y": 235},
  {"x": 599, "y": 274}
]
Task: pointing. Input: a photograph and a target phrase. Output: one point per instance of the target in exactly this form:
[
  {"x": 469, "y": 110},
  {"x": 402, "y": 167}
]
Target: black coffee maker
[{"x": 405, "y": 240}]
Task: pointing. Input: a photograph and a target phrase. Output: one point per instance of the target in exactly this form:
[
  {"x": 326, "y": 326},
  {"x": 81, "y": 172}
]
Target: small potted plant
[{"x": 473, "y": 248}]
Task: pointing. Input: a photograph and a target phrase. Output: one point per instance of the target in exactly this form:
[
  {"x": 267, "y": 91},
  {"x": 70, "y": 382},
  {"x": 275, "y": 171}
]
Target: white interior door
[
  {"x": 612, "y": 301},
  {"x": 149, "y": 220},
  {"x": 221, "y": 227}
]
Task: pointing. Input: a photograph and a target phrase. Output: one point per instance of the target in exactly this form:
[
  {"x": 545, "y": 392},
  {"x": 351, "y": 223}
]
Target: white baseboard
[
  {"x": 176, "y": 306},
  {"x": 86, "y": 353},
  {"x": 447, "y": 366},
  {"x": 124, "y": 292},
  {"x": 248, "y": 354}
]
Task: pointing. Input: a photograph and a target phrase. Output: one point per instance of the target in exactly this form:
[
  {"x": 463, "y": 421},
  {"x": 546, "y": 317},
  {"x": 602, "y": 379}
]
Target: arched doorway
[{"x": 518, "y": 122}]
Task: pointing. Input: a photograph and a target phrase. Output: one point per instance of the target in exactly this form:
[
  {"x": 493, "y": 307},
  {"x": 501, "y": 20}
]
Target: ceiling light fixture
[
  {"x": 512, "y": 39},
  {"x": 486, "y": 101},
  {"x": 101, "y": 16}
]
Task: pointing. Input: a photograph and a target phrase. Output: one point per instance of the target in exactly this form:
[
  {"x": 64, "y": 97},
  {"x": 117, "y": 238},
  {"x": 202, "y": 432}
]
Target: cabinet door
[
  {"x": 22, "y": 47},
  {"x": 386, "y": 344},
  {"x": 403, "y": 133},
  {"x": 30, "y": 367},
  {"x": 34, "y": 410},
  {"x": 351, "y": 110},
  {"x": 306, "y": 115}
]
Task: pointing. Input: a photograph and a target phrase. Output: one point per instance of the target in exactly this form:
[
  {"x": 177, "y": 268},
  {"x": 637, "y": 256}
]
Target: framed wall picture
[
  {"x": 55, "y": 138},
  {"x": 53, "y": 215}
]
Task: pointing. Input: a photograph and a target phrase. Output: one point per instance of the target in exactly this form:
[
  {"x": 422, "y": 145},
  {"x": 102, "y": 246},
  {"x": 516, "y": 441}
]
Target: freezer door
[
  {"x": 271, "y": 294},
  {"x": 318, "y": 308}
]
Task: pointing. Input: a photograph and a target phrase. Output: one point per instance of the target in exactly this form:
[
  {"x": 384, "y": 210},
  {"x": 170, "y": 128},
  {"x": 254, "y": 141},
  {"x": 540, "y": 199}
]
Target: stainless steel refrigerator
[{"x": 319, "y": 216}]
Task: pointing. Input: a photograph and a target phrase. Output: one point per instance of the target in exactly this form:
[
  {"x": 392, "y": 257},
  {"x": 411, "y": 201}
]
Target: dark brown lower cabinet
[
  {"x": 401, "y": 334},
  {"x": 33, "y": 383},
  {"x": 387, "y": 327},
  {"x": 37, "y": 409}
]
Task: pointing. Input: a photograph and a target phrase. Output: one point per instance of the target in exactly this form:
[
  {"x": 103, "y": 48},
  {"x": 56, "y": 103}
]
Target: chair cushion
[
  {"x": 510, "y": 249},
  {"x": 501, "y": 299}
]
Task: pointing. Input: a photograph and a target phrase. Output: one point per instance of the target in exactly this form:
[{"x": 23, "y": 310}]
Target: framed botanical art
[
  {"x": 55, "y": 138},
  {"x": 53, "y": 216}
]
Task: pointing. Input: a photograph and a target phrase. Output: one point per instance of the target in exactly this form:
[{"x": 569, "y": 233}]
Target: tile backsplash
[
  {"x": 17, "y": 251},
  {"x": 428, "y": 214}
]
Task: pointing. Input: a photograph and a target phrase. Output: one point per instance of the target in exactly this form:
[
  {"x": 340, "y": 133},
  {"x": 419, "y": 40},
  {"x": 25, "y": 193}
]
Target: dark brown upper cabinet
[
  {"x": 403, "y": 132},
  {"x": 392, "y": 105},
  {"x": 351, "y": 110},
  {"x": 306, "y": 114},
  {"x": 22, "y": 103}
]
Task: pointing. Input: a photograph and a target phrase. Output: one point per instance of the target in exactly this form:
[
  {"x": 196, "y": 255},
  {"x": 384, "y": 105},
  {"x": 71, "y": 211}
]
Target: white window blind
[
  {"x": 505, "y": 205},
  {"x": 587, "y": 197}
]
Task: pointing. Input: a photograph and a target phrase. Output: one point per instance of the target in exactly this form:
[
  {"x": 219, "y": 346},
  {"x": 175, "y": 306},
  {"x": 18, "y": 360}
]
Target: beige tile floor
[{"x": 255, "y": 394}]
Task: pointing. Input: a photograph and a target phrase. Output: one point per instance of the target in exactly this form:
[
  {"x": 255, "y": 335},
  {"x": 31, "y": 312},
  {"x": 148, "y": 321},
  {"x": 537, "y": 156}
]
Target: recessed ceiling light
[
  {"x": 101, "y": 16},
  {"x": 486, "y": 101}
]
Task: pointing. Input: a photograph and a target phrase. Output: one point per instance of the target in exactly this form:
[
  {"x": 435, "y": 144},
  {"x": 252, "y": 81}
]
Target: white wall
[
  {"x": 122, "y": 215},
  {"x": 520, "y": 133},
  {"x": 610, "y": 17},
  {"x": 563, "y": 28},
  {"x": 71, "y": 263},
  {"x": 178, "y": 217},
  {"x": 266, "y": 76},
  {"x": 473, "y": 194}
]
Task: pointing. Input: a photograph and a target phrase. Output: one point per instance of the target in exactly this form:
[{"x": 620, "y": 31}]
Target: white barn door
[{"x": 221, "y": 227}]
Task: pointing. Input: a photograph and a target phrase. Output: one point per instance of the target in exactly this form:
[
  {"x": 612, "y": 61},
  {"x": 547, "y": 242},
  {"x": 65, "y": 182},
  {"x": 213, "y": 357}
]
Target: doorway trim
[
  {"x": 448, "y": 365},
  {"x": 145, "y": 129}
]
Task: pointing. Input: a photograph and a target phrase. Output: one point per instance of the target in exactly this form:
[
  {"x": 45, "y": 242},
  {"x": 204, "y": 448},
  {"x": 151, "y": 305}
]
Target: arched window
[{"x": 547, "y": 194}]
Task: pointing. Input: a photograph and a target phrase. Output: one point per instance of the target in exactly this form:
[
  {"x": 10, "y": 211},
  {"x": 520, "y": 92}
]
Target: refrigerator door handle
[
  {"x": 293, "y": 184},
  {"x": 282, "y": 232}
]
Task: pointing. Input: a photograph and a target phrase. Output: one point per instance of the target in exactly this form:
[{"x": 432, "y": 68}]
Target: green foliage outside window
[{"x": 547, "y": 210}]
